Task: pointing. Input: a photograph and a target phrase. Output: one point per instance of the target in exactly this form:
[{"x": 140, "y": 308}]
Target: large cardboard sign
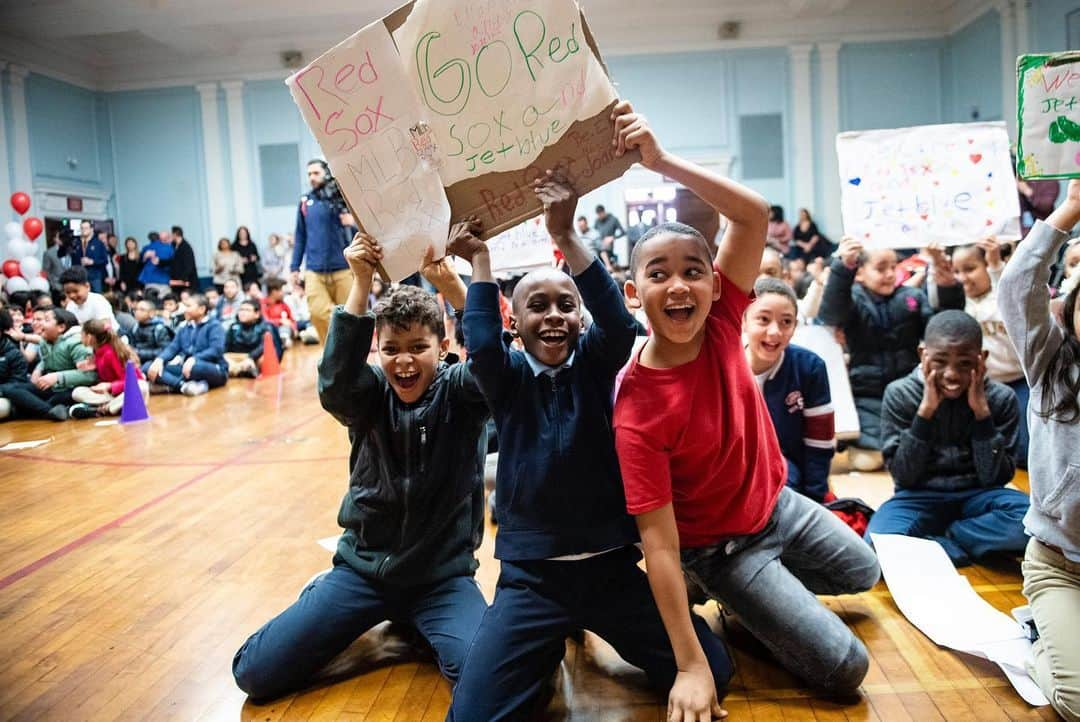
[
  {"x": 1048, "y": 116},
  {"x": 500, "y": 93},
  {"x": 909, "y": 187}
]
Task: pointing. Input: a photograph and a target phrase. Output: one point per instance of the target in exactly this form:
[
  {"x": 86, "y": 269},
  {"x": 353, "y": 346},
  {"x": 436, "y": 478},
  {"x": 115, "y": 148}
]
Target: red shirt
[
  {"x": 273, "y": 312},
  {"x": 699, "y": 436},
  {"x": 110, "y": 369}
]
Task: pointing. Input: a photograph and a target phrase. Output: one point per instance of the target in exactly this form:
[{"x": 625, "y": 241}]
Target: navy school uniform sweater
[
  {"x": 558, "y": 487},
  {"x": 414, "y": 511},
  {"x": 952, "y": 451},
  {"x": 797, "y": 393},
  {"x": 204, "y": 341},
  {"x": 883, "y": 333}
]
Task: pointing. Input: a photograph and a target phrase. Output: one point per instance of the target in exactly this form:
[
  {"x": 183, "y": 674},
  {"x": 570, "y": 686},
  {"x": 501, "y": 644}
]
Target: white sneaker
[
  {"x": 194, "y": 388},
  {"x": 5, "y": 408}
]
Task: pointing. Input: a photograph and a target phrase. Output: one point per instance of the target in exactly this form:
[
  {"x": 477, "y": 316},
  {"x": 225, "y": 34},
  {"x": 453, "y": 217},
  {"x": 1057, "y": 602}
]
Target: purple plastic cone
[{"x": 134, "y": 405}]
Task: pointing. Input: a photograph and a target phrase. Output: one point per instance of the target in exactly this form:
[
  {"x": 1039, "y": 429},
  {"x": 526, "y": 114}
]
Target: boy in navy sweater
[
  {"x": 194, "y": 362},
  {"x": 564, "y": 533},
  {"x": 950, "y": 439}
]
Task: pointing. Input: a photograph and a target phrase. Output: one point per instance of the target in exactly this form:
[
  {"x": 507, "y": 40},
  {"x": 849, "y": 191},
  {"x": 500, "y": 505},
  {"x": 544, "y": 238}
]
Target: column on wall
[
  {"x": 215, "y": 168},
  {"x": 5, "y": 166},
  {"x": 1007, "y": 10},
  {"x": 243, "y": 179},
  {"x": 829, "y": 126},
  {"x": 20, "y": 131},
  {"x": 802, "y": 130}
]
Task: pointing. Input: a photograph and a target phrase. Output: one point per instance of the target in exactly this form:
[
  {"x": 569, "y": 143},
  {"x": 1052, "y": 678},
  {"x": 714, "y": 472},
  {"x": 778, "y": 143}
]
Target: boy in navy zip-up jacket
[
  {"x": 414, "y": 511},
  {"x": 194, "y": 362},
  {"x": 564, "y": 533}
]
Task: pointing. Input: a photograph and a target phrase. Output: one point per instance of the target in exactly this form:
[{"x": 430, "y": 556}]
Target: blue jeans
[
  {"x": 335, "y": 609},
  {"x": 967, "y": 524},
  {"x": 173, "y": 376},
  {"x": 538, "y": 604},
  {"x": 769, "y": 580},
  {"x": 1023, "y": 394}
]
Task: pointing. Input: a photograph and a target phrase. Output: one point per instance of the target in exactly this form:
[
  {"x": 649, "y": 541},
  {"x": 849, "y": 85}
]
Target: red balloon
[
  {"x": 20, "y": 202},
  {"x": 11, "y": 268},
  {"x": 32, "y": 227}
]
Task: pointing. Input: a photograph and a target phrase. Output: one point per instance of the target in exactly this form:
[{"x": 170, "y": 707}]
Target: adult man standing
[
  {"x": 608, "y": 228},
  {"x": 183, "y": 276},
  {"x": 323, "y": 230},
  {"x": 92, "y": 254}
]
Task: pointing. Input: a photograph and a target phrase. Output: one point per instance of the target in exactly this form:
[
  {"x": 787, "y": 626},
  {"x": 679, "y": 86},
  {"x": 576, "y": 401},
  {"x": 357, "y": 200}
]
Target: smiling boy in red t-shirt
[{"x": 701, "y": 465}]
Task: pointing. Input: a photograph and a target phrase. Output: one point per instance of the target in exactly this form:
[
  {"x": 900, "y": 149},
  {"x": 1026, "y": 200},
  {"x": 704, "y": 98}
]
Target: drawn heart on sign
[
  {"x": 937, "y": 183},
  {"x": 866, "y": 235},
  {"x": 989, "y": 188},
  {"x": 1077, "y": 159},
  {"x": 976, "y": 157},
  {"x": 971, "y": 141},
  {"x": 989, "y": 222},
  {"x": 855, "y": 181},
  {"x": 924, "y": 216}
]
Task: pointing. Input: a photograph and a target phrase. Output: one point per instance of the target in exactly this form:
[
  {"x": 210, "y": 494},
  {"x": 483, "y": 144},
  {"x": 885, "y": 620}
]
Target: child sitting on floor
[
  {"x": 150, "y": 336},
  {"x": 111, "y": 354},
  {"x": 244, "y": 341},
  {"x": 949, "y": 442},
  {"x": 277, "y": 313},
  {"x": 65, "y": 364},
  {"x": 978, "y": 268},
  {"x": 83, "y": 302},
  {"x": 194, "y": 362},
  {"x": 13, "y": 368},
  {"x": 413, "y": 513},
  {"x": 1050, "y": 353},
  {"x": 229, "y": 303},
  {"x": 703, "y": 471},
  {"x": 564, "y": 532},
  {"x": 882, "y": 325}
]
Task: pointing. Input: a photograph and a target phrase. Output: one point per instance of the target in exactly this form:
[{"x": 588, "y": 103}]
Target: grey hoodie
[{"x": 1054, "y": 450}]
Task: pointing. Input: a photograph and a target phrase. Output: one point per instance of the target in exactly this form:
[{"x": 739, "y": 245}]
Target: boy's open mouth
[
  {"x": 407, "y": 380},
  {"x": 770, "y": 347},
  {"x": 680, "y": 312},
  {"x": 552, "y": 337}
]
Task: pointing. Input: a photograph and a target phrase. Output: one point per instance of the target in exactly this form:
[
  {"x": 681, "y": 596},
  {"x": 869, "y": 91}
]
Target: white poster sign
[
  {"x": 1048, "y": 98},
  {"x": 909, "y": 187},
  {"x": 357, "y": 102}
]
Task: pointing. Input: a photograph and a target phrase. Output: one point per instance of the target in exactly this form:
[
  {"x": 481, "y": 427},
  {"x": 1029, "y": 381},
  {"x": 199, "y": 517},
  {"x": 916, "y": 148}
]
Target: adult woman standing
[
  {"x": 249, "y": 254},
  {"x": 130, "y": 266},
  {"x": 228, "y": 264}
]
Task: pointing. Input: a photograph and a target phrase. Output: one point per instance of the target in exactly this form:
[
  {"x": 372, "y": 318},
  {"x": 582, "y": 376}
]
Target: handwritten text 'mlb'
[
  {"x": 492, "y": 70},
  {"x": 348, "y": 116}
]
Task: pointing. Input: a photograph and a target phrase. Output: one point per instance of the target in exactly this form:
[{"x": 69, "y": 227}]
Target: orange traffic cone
[{"x": 270, "y": 363}]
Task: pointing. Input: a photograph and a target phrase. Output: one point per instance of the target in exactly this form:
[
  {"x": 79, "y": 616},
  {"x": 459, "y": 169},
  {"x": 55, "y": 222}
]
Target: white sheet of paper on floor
[
  {"x": 821, "y": 341},
  {"x": 20, "y": 445},
  {"x": 942, "y": 604},
  {"x": 329, "y": 543},
  {"x": 108, "y": 422}
]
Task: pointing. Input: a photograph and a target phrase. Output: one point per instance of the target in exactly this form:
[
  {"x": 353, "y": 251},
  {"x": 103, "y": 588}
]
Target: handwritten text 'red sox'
[{"x": 357, "y": 112}]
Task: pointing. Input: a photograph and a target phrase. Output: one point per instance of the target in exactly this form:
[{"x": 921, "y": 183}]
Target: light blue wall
[
  {"x": 973, "y": 71},
  {"x": 158, "y": 158},
  {"x": 1046, "y": 21},
  {"x": 891, "y": 85}
]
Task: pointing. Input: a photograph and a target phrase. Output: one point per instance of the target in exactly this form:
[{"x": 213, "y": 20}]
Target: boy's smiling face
[
  {"x": 953, "y": 362},
  {"x": 547, "y": 315},
  {"x": 878, "y": 274},
  {"x": 675, "y": 283},
  {"x": 409, "y": 357}
]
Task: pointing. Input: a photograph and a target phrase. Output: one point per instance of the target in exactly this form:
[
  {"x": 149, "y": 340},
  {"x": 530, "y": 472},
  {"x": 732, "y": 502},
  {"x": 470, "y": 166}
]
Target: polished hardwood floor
[{"x": 134, "y": 560}]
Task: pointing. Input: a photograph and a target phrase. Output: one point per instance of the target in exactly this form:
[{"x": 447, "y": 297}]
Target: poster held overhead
[
  {"x": 1048, "y": 116},
  {"x": 357, "y": 103},
  {"x": 909, "y": 187}
]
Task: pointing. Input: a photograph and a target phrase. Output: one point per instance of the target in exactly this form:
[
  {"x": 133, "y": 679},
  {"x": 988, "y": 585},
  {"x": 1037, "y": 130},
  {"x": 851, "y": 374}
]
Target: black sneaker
[{"x": 82, "y": 411}]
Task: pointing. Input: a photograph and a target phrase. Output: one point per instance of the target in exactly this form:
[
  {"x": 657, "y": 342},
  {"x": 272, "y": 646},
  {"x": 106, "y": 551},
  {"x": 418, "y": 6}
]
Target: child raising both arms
[
  {"x": 1050, "y": 354},
  {"x": 703, "y": 471}
]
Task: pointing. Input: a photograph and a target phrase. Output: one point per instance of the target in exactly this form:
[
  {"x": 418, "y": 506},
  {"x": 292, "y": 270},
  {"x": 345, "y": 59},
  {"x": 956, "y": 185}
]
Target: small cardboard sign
[{"x": 1048, "y": 116}]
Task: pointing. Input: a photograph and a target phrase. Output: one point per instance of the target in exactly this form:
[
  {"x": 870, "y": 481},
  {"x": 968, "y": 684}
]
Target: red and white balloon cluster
[{"x": 22, "y": 269}]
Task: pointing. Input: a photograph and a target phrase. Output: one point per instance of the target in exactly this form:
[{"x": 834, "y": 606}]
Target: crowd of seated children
[
  {"x": 194, "y": 362},
  {"x": 63, "y": 364},
  {"x": 882, "y": 324},
  {"x": 111, "y": 356}
]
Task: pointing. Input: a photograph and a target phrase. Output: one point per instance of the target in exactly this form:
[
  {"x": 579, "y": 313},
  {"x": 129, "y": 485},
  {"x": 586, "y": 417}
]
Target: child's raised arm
[
  {"x": 739, "y": 254},
  {"x": 362, "y": 255},
  {"x": 560, "y": 202},
  {"x": 441, "y": 274}
]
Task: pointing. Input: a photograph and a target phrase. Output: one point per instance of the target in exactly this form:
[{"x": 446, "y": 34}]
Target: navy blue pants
[
  {"x": 538, "y": 604},
  {"x": 173, "y": 376},
  {"x": 967, "y": 524},
  {"x": 335, "y": 609}
]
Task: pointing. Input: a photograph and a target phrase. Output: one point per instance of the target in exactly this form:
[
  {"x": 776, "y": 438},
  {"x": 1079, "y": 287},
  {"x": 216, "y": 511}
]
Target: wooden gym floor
[{"x": 135, "y": 560}]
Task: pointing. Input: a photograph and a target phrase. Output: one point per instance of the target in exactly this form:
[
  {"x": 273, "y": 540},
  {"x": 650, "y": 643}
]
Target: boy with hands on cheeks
[
  {"x": 563, "y": 528},
  {"x": 701, "y": 464},
  {"x": 413, "y": 514},
  {"x": 949, "y": 442}
]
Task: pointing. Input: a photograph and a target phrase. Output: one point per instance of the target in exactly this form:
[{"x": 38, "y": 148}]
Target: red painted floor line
[{"x": 91, "y": 536}]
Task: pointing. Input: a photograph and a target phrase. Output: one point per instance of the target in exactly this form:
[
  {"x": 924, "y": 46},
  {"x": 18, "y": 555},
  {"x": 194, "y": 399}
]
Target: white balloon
[
  {"x": 30, "y": 266},
  {"x": 17, "y": 249},
  {"x": 13, "y": 230},
  {"x": 39, "y": 284},
  {"x": 15, "y": 284}
]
